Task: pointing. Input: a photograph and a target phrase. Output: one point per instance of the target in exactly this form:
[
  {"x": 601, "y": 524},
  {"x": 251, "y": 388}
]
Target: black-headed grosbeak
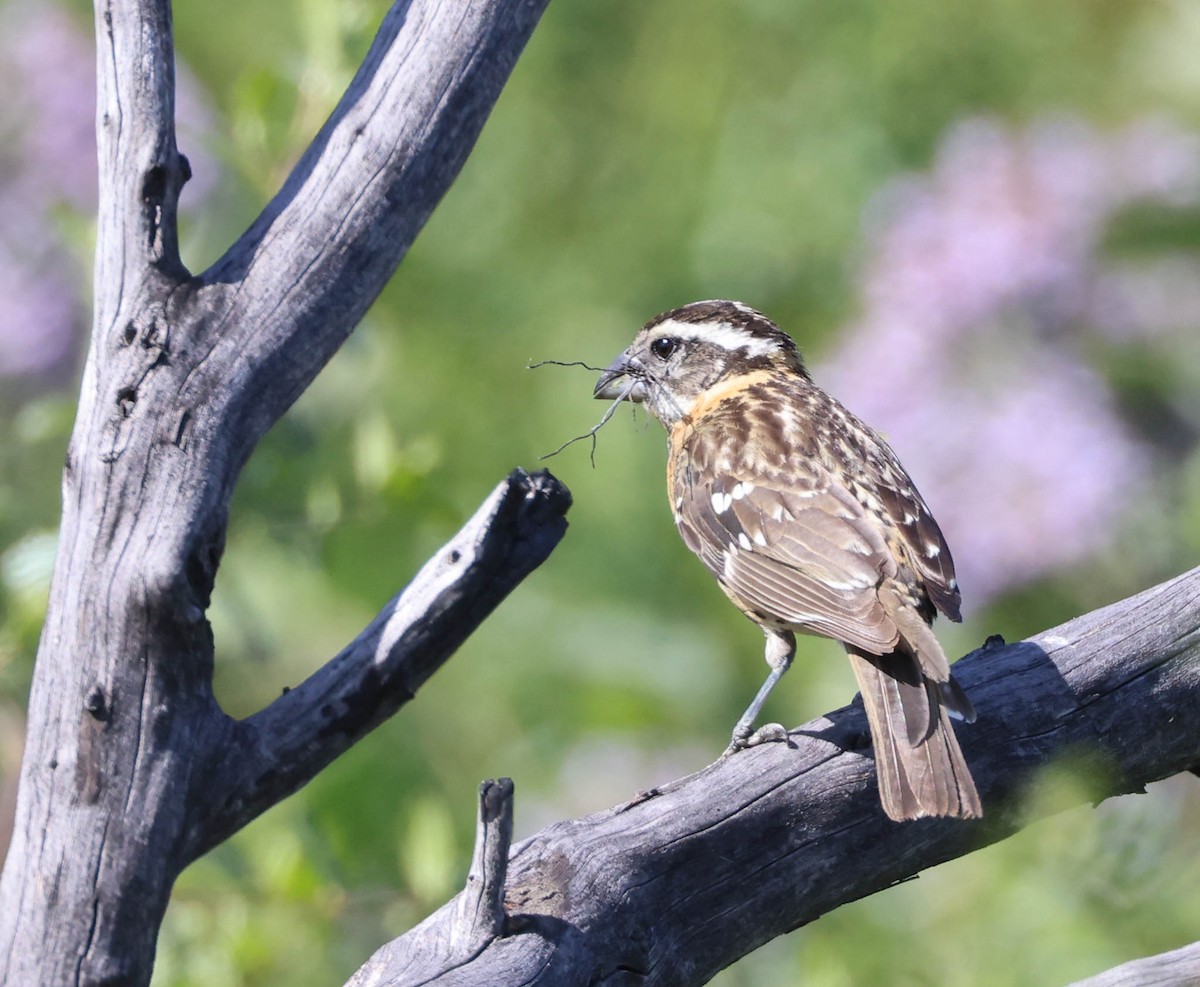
[{"x": 811, "y": 525}]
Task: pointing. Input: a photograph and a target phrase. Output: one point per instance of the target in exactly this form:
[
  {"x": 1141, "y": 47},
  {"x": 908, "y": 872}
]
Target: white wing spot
[
  {"x": 760, "y": 539},
  {"x": 932, "y": 551},
  {"x": 740, "y": 490},
  {"x": 721, "y": 502},
  {"x": 909, "y": 518},
  {"x": 744, "y": 541}
]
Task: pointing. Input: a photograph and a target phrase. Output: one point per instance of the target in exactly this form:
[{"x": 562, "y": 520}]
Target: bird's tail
[{"x": 917, "y": 758}]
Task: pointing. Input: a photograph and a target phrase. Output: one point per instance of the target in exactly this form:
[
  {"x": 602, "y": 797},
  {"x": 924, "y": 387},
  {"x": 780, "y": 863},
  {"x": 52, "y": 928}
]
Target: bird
[{"x": 811, "y": 525}]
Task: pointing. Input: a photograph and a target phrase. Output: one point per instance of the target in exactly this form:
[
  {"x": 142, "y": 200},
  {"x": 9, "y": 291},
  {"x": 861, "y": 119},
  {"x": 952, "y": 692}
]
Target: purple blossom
[
  {"x": 49, "y": 66},
  {"x": 981, "y": 275},
  {"x": 36, "y": 319},
  {"x": 47, "y": 164}
]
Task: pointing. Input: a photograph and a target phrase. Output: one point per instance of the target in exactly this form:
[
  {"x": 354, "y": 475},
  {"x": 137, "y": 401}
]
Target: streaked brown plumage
[{"x": 811, "y": 525}]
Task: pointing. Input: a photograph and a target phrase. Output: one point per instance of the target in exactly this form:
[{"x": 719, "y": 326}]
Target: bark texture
[
  {"x": 131, "y": 769},
  {"x": 1178, "y": 967},
  {"x": 681, "y": 881}
]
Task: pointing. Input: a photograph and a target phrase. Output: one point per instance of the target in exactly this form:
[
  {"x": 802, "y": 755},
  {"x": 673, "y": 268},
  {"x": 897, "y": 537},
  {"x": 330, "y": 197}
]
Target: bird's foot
[{"x": 744, "y": 737}]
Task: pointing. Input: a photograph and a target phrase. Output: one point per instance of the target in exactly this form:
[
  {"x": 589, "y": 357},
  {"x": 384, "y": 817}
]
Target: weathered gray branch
[
  {"x": 679, "y": 882},
  {"x": 274, "y": 752},
  {"x": 1177, "y": 968},
  {"x": 286, "y": 295},
  {"x": 127, "y": 771},
  {"x": 140, "y": 169},
  {"x": 481, "y": 905},
  {"x": 456, "y": 935}
]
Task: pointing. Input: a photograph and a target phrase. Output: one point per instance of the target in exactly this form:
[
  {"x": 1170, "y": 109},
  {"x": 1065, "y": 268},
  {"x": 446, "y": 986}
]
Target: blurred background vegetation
[{"x": 982, "y": 223}]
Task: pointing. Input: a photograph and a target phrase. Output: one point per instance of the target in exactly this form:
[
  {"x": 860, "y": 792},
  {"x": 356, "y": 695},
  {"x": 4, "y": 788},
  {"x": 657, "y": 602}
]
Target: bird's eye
[{"x": 663, "y": 348}]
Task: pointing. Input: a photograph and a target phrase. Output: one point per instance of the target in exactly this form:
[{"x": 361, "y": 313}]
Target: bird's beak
[{"x": 618, "y": 382}]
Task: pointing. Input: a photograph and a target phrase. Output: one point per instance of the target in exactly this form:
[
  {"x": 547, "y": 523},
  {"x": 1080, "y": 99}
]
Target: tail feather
[
  {"x": 920, "y": 641},
  {"x": 920, "y": 766}
]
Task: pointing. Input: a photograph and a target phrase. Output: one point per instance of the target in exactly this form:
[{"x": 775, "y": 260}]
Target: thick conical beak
[{"x": 618, "y": 382}]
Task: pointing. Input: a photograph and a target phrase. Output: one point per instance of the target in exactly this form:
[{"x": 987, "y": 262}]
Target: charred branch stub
[
  {"x": 280, "y": 748},
  {"x": 161, "y": 187},
  {"x": 479, "y": 912}
]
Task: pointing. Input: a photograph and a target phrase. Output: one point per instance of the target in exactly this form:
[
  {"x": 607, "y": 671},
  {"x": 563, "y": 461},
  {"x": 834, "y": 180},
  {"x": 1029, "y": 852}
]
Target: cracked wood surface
[
  {"x": 127, "y": 772},
  {"x": 681, "y": 881}
]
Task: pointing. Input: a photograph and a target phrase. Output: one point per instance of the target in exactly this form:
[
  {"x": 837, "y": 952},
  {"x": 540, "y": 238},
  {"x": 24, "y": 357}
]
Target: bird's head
[{"x": 677, "y": 356}]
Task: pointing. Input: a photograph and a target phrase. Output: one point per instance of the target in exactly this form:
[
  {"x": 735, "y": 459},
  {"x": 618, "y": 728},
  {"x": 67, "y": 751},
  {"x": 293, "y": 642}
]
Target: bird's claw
[
  {"x": 766, "y": 734},
  {"x": 770, "y": 733}
]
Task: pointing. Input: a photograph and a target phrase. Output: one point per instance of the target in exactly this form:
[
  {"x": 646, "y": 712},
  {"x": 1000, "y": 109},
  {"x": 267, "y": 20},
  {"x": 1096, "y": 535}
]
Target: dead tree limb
[
  {"x": 1173, "y": 969},
  {"x": 681, "y": 881},
  {"x": 130, "y": 767},
  {"x": 282, "y": 747}
]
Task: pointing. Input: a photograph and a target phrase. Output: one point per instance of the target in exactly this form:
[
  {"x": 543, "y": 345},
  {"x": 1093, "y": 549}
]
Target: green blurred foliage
[{"x": 643, "y": 155}]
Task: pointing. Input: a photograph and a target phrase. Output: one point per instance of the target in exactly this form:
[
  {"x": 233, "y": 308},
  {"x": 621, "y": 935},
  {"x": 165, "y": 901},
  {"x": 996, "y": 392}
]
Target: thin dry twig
[{"x": 608, "y": 413}]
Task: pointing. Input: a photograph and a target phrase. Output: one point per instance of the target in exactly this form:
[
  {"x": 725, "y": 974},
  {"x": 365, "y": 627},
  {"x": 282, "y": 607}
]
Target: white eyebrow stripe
[{"x": 721, "y": 334}]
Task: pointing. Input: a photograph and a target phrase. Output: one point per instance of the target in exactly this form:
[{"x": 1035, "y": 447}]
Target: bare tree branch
[
  {"x": 285, "y": 745},
  {"x": 286, "y": 295},
  {"x": 127, "y": 752},
  {"x": 474, "y": 921},
  {"x": 481, "y": 905},
  {"x": 1178, "y": 967},
  {"x": 140, "y": 170},
  {"x": 678, "y": 883}
]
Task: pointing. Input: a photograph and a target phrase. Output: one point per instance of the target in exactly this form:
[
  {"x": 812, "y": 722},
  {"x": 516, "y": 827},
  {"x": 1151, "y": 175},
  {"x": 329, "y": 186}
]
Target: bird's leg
[{"x": 780, "y": 650}]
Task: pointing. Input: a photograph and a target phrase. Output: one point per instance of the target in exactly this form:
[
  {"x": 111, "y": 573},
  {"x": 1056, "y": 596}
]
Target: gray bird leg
[{"x": 780, "y": 650}]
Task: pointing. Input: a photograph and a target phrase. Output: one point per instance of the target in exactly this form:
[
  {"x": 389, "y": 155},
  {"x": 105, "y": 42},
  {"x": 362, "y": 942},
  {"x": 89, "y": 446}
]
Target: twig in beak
[
  {"x": 560, "y": 363},
  {"x": 591, "y": 432}
]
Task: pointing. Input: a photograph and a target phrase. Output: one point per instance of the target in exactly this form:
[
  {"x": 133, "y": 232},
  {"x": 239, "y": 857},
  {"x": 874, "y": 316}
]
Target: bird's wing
[
  {"x": 927, "y": 552},
  {"x": 795, "y": 548}
]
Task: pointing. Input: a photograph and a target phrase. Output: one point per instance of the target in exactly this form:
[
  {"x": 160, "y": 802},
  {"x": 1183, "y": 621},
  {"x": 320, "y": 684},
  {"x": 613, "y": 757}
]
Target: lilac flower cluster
[
  {"x": 984, "y": 278},
  {"x": 48, "y": 171},
  {"x": 47, "y": 160}
]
